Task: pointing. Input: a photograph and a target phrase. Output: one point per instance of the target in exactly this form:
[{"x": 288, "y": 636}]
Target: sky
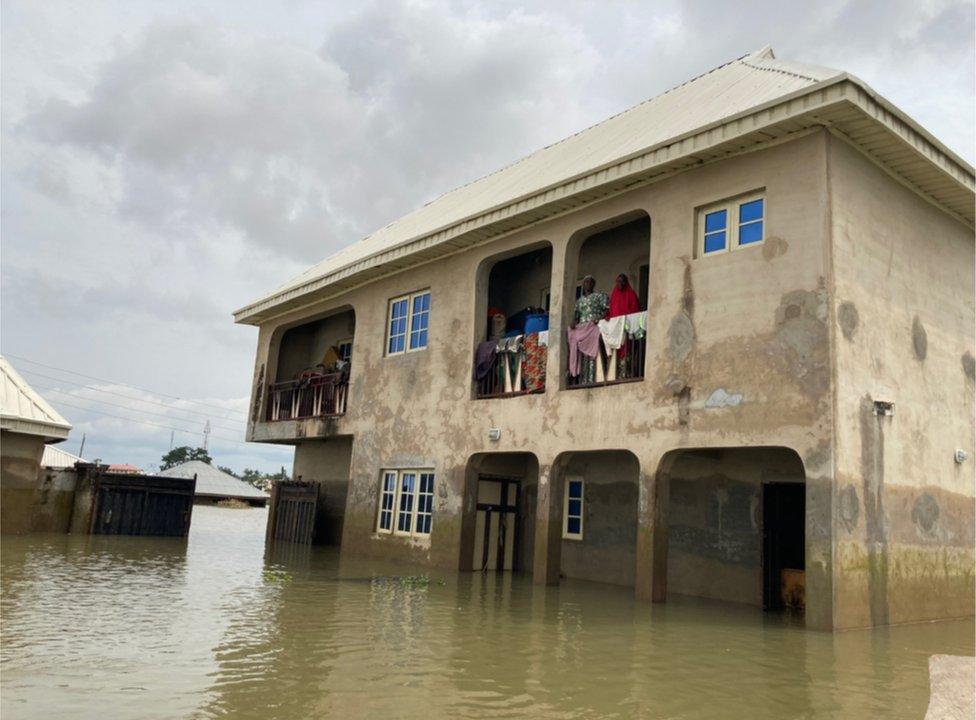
[{"x": 163, "y": 164}]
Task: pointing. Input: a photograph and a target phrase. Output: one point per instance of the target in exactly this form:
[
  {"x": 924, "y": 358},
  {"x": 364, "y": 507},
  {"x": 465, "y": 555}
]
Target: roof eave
[{"x": 641, "y": 167}]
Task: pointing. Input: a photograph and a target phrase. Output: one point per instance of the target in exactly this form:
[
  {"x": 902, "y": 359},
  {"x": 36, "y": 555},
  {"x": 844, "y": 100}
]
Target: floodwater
[{"x": 116, "y": 627}]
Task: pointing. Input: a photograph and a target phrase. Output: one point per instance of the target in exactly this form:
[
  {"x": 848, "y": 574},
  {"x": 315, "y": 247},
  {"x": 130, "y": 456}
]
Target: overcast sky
[{"x": 165, "y": 163}]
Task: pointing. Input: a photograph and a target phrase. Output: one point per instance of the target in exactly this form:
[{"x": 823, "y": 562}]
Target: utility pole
[
  {"x": 171, "y": 434},
  {"x": 81, "y": 450},
  {"x": 206, "y": 434}
]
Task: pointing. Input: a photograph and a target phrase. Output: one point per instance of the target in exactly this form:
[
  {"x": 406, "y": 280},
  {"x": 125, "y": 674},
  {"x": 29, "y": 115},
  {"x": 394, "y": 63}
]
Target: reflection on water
[{"x": 106, "y": 627}]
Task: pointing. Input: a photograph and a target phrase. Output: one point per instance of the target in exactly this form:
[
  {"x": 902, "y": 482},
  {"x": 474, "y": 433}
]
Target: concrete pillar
[
  {"x": 548, "y": 524},
  {"x": 650, "y": 579}
]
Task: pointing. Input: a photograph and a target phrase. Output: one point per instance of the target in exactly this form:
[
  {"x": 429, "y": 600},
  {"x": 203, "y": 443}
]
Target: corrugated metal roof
[
  {"x": 580, "y": 164},
  {"x": 22, "y": 410},
  {"x": 213, "y": 482},
  {"x": 55, "y": 457}
]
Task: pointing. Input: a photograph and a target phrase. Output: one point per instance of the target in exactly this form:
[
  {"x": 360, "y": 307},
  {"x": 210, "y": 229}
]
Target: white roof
[
  {"x": 738, "y": 106},
  {"x": 55, "y": 457},
  {"x": 22, "y": 410},
  {"x": 213, "y": 482}
]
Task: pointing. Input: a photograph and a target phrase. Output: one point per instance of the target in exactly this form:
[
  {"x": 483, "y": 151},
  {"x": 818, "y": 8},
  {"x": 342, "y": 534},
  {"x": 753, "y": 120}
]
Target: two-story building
[{"x": 788, "y": 400}]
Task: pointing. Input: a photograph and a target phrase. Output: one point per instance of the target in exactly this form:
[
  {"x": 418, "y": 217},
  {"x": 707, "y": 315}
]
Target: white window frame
[
  {"x": 731, "y": 207},
  {"x": 384, "y": 475},
  {"x": 347, "y": 341},
  {"x": 409, "y": 320},
  {"x": 567, "y": 535},
  {"x": 416, "y": 494}
]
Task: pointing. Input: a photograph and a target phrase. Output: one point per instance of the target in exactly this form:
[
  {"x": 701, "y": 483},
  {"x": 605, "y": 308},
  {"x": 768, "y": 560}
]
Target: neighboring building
[
  {"x": 793, "y": 404},
  {"x": 124, "y": 469},
  {"x": 215, "y": 485},
  {"x": 27, "y": 424},
  {"x": 55, "y": 457}
]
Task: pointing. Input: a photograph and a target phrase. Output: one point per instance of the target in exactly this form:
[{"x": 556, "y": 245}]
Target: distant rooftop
[
  {"x": 22, "y": 410},
  {"x": 212, "y": 482},
  {"x": 740, "y": 106},
  {"x": 55, "y": 457}
]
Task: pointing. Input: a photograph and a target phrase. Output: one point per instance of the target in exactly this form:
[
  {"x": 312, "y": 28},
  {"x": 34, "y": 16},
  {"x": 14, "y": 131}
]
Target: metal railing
[
  {"x": 625, "y": 364},
  {"x": 520, "y": 370},
  {"x": 316, "y": 396}
]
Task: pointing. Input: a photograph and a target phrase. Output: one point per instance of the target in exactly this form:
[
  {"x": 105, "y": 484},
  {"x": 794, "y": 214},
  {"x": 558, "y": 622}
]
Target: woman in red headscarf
[{"x": 623, "y": 299}]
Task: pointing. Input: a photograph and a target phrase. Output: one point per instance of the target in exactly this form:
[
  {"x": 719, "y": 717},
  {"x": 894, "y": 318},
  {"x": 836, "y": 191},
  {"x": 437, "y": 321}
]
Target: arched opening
[
  {"x": 608, "y": 325},
  {"x": 511, "y": 331},
  {"x": 597, "y": 493},
  {"x": 312, "y": 369},
  {"x": 733, "y": 526},
  {"x": 498, "y": 528}
]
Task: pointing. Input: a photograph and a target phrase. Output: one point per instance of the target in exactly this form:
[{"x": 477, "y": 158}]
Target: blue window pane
[
  {"x": 400, "y": 308},
  {"x": 574, "y": 507},
  {"x": 751, "y": 211},
  {"x": 418, "y": 339},
  {"x": 573, "y": 526},
  {"x": 575, "y": 489},
  {"x": 716, "y": 221},
  {"x": 396, "y": 344},
  {"x": 750, "y": 233},
  {"x": 714, "y": 242},
  {"x": 426, "y": 482},
  {"x": 415, "y": 322},
  {"x": 426, "y": 299},
  {"x": 424, "y": 524}
]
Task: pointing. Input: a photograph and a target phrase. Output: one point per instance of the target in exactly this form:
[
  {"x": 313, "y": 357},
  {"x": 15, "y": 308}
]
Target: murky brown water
[{"x": 120, "y": 627}]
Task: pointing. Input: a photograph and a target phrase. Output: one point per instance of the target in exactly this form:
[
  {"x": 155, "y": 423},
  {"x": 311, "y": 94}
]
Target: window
[
  {"x": 345, "y": 349},
  {"x": 732, "y": 225},
  {"x": 413, "y": 311},
  {"x": 406, "y": 502},
  {"x": 573, "y": 509},
  {"x": 387, "y": 499}
]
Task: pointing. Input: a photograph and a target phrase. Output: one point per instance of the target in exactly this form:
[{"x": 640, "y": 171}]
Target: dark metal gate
[
  {"x": 292, "y": 514},
  {"x": 126, "y": 504}
]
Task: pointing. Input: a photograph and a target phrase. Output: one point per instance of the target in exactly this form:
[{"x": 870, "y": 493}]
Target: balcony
[
  {"x": 322, "y": 395},
  {"x": 510, "y": 355},
  {"x": 311, "y": 369}
]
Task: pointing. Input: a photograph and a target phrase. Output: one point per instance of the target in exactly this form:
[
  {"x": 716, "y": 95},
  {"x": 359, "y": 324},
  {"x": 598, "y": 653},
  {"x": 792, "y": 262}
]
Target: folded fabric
[
  {"x": 544, "y": 338},
  {"x": 484, "y": 358},
  {"x": 534, "y": 368},
  {"x": 584, "y": 338},
  {"x": 612, "y": 331},
  {"x": 510, "y": 344}
]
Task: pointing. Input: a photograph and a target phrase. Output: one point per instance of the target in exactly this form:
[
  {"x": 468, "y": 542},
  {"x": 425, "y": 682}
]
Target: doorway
[
  {"x": 784, "y": 521},
  {"x": 498, "y": 524}
]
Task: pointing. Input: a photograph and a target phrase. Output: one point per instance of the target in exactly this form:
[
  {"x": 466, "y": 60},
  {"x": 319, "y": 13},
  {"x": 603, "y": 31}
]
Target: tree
[
  {"x": 224, "y": 468},
  {"x": 180, "y": 455}
]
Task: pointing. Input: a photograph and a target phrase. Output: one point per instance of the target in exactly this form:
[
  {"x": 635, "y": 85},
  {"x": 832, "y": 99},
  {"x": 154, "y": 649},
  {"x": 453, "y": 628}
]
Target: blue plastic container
[{"x": 536, "y": 323}]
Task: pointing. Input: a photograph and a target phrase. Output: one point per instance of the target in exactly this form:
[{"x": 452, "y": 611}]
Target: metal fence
[
  {"x": 625, "y": 364},
  {"x": 316, "y": 396}
]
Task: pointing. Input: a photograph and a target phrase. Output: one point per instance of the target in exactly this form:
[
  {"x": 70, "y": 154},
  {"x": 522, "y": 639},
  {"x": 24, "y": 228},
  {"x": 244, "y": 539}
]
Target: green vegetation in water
[
  {"x": 276, "y": 577},
  {"x": 412, "y": 581}
]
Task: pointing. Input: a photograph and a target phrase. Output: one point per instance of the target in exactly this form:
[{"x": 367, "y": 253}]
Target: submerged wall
[
  {"x": 608, "y": 551},
  {"x": 326, "y": 462},
  {"x": 32, "y": 499},
  {"x": 715, "y": 520},
  {"x": 904, "y": 333}
]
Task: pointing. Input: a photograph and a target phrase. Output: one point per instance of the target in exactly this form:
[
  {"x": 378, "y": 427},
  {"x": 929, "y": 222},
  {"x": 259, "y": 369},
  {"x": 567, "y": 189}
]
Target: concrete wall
[
  {"x": 607, "y": 552},
  {"x": 738, "y": 355},
  {"x": 20, "y": 462},
  {"x": 903, "y": 327},
  {"x": 715, "y": 520},
  {"x": 326, "y": 462}
]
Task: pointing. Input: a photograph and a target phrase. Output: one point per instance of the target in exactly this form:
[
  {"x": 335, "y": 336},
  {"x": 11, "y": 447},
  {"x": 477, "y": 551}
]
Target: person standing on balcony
[
  {"x": 623, "y": 301},
  {"x": 584, "y": 335}
]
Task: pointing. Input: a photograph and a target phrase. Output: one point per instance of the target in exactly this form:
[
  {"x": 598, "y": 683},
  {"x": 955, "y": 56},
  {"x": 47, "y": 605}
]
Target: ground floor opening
[{"x": 733, "y": 526}]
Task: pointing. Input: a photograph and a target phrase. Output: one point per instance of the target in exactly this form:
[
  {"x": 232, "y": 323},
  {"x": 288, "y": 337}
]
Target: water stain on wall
[
  {"x": 920, "y": 339},
  {"x": 849, "y": 319}
]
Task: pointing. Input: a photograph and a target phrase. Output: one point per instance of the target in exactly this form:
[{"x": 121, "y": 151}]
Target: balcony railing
[
  {"x": 316, "y": 396},
  {"x": 617, "y": 365},
  {"x": 517, "y": 367}
]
